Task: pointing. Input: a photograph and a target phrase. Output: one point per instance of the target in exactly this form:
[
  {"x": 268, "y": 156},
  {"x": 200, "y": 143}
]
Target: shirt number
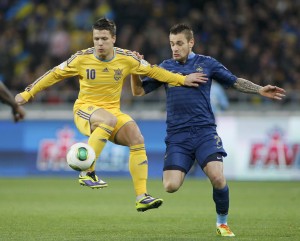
[{"x": 90, "y": 74}]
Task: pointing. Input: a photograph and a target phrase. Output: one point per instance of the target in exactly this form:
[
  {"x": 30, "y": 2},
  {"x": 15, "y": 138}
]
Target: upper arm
[
  {"x": 222, "y": 74},
  {"x": 150, "y": 85}
]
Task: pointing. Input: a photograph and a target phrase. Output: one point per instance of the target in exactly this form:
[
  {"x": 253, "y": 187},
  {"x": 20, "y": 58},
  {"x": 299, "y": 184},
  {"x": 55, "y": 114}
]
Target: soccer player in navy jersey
[
  {"x": 6, "y": 97},
  {"x": 191, "y": 128}
]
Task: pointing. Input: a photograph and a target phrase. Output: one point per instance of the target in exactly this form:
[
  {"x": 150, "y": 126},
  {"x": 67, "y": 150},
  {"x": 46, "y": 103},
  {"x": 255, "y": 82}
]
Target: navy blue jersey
[{"x": 190, "y": 106}]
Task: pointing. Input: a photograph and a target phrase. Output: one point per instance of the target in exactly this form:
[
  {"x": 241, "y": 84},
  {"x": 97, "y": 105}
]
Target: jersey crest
[
  {"x": 118, "y": 74},
  {"x": 198, "y": 68}
]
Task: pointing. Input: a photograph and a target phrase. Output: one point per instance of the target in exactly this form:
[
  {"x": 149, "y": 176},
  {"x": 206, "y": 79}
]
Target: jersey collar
[
  {"x": 103, "y": 60},
  {"x": 190, "y": 56}
]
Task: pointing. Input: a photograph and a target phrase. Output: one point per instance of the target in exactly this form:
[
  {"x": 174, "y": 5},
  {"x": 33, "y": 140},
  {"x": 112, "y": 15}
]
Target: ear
[
  {"x": 191, "y": 43},
  {"x": 114, "y": 38}
]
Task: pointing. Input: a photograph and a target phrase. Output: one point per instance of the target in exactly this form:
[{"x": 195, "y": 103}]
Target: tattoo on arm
[{"x": 246, "y": 86}]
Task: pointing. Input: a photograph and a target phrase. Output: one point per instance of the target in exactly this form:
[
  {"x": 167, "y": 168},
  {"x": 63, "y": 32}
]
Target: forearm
[
  {"x": 7, "y": 97},
  {"x": 136, "y": 85},
  {"x": 45, "y": 81},
  {"x": 246, "y": 86},
  {"x": 165, "y": 76}
]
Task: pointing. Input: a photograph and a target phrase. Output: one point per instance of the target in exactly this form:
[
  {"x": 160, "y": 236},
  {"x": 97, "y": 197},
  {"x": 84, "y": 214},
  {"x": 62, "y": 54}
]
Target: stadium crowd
[{"x": 257, "y": 40}]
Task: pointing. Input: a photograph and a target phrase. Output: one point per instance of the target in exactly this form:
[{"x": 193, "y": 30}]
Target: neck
[{"x": 107, "y": 57}]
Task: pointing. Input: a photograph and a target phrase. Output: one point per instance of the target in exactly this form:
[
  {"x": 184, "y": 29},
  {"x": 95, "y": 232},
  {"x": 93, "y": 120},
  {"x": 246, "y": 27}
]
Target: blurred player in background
[
  {"x": 191, "y": 128},
  {"x": 102, "y": 71},
  {"x": 6, "y": 97},
  {"x": 218, "y": 98}
]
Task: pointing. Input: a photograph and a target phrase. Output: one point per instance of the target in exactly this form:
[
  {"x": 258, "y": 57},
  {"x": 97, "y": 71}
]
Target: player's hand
[
  {"x": 272, "y": 92},
  {"x": 138, "y": 55},
  {"x": 18, "y": 113},
  {"x": 195, "y": 79},
  {"x": 20, "y": 100}
]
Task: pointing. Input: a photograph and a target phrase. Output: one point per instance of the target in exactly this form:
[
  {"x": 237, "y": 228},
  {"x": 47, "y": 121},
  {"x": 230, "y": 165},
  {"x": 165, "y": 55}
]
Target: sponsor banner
[
  {"x": 40, "y": 148},
  {"x": 259, "y": 148}
]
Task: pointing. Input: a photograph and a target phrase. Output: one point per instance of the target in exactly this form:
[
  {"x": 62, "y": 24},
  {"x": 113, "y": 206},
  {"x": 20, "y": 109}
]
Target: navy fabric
[
  {"x": 192, "y": 143},
  {"x": 190, "y": 106}
]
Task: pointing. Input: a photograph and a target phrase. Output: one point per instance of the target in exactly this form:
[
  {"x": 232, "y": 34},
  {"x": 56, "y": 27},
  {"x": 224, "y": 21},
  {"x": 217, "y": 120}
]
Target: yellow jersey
[{"x": 101, "y": 81}]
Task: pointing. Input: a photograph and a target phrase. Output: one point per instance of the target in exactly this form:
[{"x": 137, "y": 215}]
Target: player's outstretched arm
[
  {"x": 272, "y": 92},
  {"x": 20, "y": 99},
  {"x": 269, "y": 91},
  {"x": 192, "y": 80}
]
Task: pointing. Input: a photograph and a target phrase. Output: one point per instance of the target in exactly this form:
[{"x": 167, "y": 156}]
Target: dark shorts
[{"x": 196, "y": 143}]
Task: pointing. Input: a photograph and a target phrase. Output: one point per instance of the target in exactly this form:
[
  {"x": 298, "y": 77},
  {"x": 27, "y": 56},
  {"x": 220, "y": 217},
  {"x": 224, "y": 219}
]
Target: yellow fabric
[
  {"x": 98, "y": 140},
  {"x": 101, "y": 82},
  {"x": 82, "y": 122},
  {"x": 26, "y": 95},
  {"x": 138, "y": 167}
]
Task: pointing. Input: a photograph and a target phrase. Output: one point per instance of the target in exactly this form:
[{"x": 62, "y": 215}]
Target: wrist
[
  {"x": 26, "y": 95},
  {"x": 182, "y": 79}
]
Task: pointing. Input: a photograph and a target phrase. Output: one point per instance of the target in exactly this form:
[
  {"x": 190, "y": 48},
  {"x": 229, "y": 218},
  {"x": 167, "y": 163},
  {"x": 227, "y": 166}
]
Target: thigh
[
  {"x": 83, "y": 117},
  {"x": 173, "y": 178},
  {"x": 129, "y": 134},
  {"x": 214, "y": 168},
  {"x": 175, "y": 159},
  {"x": 214, "y": 171},
  {"x": 118, "y": 135},
  {"x": 88, "y": 117},
  {"x": 179, "y": 153},
  {"x": 208, "y": 143}
]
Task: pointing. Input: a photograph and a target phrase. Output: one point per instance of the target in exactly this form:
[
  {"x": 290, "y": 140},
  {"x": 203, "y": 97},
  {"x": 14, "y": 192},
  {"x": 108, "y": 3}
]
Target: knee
[
  {"x": 170, "y": 187},
  {"x": 138, "y": 139},
  {"x": 218, "y": 181}
]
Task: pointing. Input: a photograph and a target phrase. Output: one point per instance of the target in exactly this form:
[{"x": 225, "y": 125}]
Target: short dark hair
[
  {"x": 182, "y": 28},
  {"x": 105, "y": 24}
]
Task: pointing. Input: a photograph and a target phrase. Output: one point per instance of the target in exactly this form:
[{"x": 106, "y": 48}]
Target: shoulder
[
  {"x": 126, "y": 53},
  {"x": 207, "y": 61},
  {"x": 167, "y": 63},
  {"x": 81, "y": 53},
  {"x": 205, "y": 58},
  {"x": 85, "y": 52}
]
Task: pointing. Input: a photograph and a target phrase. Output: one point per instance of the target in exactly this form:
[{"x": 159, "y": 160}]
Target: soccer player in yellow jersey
[{"x": 101, "y": 71}]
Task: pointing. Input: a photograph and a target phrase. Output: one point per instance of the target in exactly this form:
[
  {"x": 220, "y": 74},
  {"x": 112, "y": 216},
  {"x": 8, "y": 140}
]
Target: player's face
[
  {"x": 104, "y": 44},
  {"x": 180, "y": 46}
]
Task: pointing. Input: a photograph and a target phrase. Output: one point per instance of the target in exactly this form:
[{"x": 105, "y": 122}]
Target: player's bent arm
[
  {"x": 269, "y": 91},
  {"x": 136, "y": 85}
]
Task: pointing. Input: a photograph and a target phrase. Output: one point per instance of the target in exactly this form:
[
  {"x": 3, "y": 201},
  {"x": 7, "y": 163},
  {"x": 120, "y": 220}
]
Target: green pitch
[{"x": 59, "y": 209}]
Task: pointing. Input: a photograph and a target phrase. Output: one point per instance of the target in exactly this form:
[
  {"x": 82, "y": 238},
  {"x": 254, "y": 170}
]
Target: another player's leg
[
  {"x": 214, "y": 171},
  {"x": 129, "y": 135},
  {"x": 172, "y": 180},
  {"x": 101, "y": 124},
  {"x": 179, "y": 159}
]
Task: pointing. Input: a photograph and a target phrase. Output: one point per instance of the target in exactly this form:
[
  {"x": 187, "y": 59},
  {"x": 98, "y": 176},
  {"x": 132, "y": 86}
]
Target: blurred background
[{"x": 256, "y": 40}]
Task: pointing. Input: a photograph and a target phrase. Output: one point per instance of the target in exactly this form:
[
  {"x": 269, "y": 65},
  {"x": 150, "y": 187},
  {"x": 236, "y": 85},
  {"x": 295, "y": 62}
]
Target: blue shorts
[{"x": 188, "y": 145}]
